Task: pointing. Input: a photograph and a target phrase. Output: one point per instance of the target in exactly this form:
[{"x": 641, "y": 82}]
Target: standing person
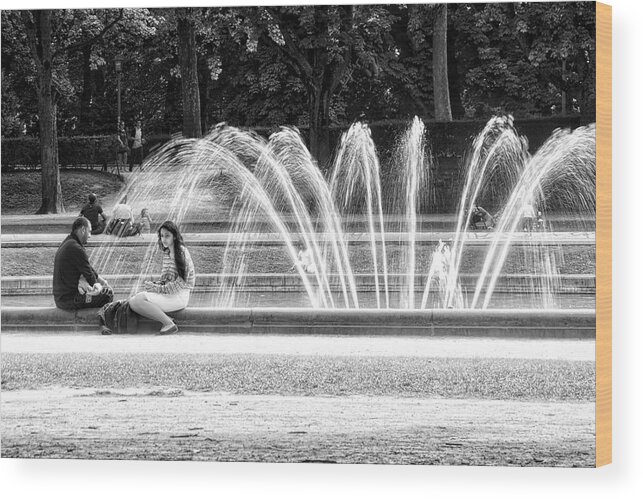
[
  {"x": 72, "y": 268},
  {"x": 92, "y": 211},
  {"x": 122, "y": 219},
  {"x": 172, "y": 292},
  {"x": 528, "y": 216},
  {"x": 137, "y": 147},
  {"x": 123, "y": 147}
]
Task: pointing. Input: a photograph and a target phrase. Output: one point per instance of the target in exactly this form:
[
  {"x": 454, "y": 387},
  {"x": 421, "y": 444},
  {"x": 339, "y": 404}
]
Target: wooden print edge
[{"x": 603, "y": 234}]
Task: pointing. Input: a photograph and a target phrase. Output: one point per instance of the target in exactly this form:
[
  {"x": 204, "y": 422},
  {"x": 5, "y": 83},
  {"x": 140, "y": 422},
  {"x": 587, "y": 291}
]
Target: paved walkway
[
  {"x": 267, "y": 399},
  {"x": 363, "y": 346}
]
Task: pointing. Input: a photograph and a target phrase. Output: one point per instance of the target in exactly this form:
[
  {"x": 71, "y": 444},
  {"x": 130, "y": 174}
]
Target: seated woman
[
  {"x": 305, "y": 258},
  {"x": 172, "y": 292},
  {"x": 144, "y": 223}
]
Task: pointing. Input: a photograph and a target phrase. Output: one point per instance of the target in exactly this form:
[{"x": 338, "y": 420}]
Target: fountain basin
[
  {"x": 292, "y": 283},
  {"x": 61, "y": 223},
  {"x": 486, "y": 323},
  {"x": 480, "y": 238}
]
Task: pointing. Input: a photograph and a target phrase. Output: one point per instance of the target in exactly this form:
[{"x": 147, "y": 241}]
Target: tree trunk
[
  {"x": 457, "y": 109},
  {"x": 563, "y": 93},
  {"x": 205, "y": 95},
  {"x": 189, "y": 74},
  {"x": 51, "y": 190},
  {"x": 441, "y": 99},
  {"x": 85, "y": 125},
  {"x": 319, "y": 115}
]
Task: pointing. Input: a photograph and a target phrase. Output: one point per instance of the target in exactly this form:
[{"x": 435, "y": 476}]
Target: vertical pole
[
  {"x": 119, "y": 100},
  {"x": 118, "y": 122},
  {"x": 563, "y": 103}
]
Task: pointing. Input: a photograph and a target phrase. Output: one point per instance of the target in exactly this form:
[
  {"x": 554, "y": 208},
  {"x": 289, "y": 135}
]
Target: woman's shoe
[{"x": 169, "y": 329}]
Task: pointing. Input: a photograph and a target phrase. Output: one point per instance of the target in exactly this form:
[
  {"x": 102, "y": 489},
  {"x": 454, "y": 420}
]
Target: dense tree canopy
[
  {"x": 316, "y": 67},
  {"x": 271, "y": 66}
]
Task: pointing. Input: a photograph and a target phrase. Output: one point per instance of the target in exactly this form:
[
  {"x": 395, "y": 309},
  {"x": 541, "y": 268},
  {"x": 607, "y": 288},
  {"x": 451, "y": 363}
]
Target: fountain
[{"x": 273, "y": 192}]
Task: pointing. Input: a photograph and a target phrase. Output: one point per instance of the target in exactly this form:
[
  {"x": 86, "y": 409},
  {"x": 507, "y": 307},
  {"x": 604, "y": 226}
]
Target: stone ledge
[
  {"x": 292, "y": 282},
  {"x": 487, "y": 323},
  {"x": 273, "y": 239}
]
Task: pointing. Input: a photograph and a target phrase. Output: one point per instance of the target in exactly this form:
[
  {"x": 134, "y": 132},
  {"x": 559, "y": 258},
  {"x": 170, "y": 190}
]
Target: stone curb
[
  {"x": 272, "y": 239},
  {"x": 487, "y": 323},
  {"x": 291, "y": 282}
]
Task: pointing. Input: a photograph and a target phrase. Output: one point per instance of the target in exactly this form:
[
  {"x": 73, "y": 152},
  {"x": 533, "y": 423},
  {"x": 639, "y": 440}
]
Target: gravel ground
[
  {"x": 39, "y": 261},
  {"x": 166, "y": 425},
  {"x": 512, "y": 379},
  {"x": 464, "y": 402},
  {"x": 277, "y": 407}
]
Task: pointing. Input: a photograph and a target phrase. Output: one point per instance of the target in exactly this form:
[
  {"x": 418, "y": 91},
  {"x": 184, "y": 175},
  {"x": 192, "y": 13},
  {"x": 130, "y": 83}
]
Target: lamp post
[{"x": 118, "y": 64}]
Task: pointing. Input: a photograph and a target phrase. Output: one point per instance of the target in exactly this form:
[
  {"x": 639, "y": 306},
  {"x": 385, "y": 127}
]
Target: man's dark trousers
[{"x": 80, "y": 301}]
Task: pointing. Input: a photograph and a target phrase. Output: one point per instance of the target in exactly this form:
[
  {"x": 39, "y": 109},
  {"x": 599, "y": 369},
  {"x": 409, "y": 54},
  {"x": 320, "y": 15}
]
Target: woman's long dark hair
[{"x": 179, "y": 260}]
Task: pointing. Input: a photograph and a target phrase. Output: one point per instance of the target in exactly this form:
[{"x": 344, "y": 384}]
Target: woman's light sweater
[{"x": 173, "y": 282}]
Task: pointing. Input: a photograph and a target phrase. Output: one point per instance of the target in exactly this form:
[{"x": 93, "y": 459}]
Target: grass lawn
[
  {"x": 21, "y": 191},
  {"x": 21, "y": 195},
  {"x": 270, "y": 259}
]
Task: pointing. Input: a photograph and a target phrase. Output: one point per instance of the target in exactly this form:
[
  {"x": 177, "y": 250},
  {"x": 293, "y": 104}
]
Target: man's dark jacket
[
  {"x": 70, "y": 262},
  {"x": 91, "y": 211}
]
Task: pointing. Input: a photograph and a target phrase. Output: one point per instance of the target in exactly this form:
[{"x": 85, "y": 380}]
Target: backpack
[{"x": 119, "y": 317}]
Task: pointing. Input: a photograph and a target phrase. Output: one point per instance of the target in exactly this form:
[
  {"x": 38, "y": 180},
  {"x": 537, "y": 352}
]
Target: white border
[{"x": 109, "y": 479}]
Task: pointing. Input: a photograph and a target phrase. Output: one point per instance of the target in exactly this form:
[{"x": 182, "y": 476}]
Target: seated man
[
  {"x": 71, "y": 265},
  {"x": 92, "y": 211}
]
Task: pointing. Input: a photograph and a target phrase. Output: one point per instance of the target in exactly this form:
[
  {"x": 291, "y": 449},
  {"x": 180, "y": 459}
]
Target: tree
[
  {"x": 440, "y": 73},
  {"x": 322, "y": 45},
  {"x": 511, "y": 56},
  {"x": 421, "y": 39},
  {"x": 91, "y": 66},
  {"x": 316, "y": 47},
  {"x": 39, "y": 31},
  {"x": 49, "y": 50},
  {"x": 189, "y": 73}
]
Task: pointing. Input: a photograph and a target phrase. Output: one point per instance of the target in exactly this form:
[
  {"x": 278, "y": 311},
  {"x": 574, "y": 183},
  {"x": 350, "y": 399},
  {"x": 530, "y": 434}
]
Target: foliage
[
  {"x": 265, "y": 65},
  {"x": 72, "y": 151},
  {"x": 511, "y": 56}
]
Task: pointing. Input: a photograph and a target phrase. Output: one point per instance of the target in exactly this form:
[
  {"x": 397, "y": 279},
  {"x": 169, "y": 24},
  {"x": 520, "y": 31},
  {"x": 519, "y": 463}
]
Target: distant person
[
  {"x": 305, "y": 258},
  {"x": 93, "y": 212},
  {"x": 122, "y": 222},
  {"x": 123, "y": 147},
  {"x": 481, "y": 218},
  {"x": 136, "y": 156},
  {"x": 172, "y": 292},
  {"x": 540, "y": 221},
  {"x": 528, "y": 216},
  {"x": 144, "y": 223},
  {"x": 76, "y": 284}
]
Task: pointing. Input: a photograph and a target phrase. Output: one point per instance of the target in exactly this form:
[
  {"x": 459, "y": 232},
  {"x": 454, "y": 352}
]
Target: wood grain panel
[{"x": 603, "y": 234}]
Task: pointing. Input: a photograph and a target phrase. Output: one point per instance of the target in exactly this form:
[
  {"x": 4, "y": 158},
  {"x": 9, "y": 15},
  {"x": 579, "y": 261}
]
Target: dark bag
[
  {"x": 122, "y": 228},
  {"x": 119, "y": 317}
]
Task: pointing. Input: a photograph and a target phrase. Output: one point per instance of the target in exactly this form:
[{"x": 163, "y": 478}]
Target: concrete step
[
  {"x": 445, "y": 222},
  {"x": 271, "y": 239},
  {"x": 292, "y": 282},
  {"x": 486, "y": 323}
]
